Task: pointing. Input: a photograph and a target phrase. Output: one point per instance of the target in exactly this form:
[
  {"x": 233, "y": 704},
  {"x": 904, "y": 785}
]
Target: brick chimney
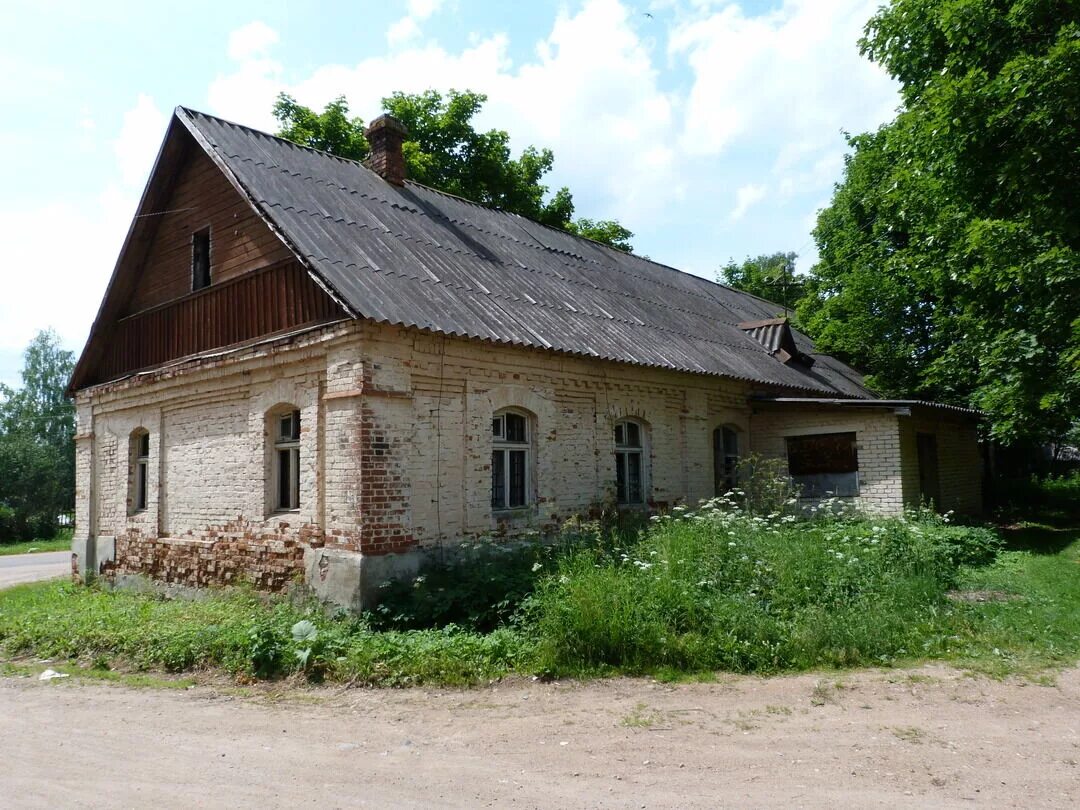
[{"x": 385, "y": 135}]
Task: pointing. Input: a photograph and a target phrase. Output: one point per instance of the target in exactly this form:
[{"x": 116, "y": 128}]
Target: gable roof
[{"x": 417, "y": 257}]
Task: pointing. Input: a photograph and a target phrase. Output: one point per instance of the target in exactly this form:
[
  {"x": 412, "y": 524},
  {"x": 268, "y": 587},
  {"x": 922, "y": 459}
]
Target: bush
[
  {"x": 16, "y": 525},
  {"x": 717, "y": 588},
  {"x": 1053, "y": 498},
  {"x": 481, "y": 586}
]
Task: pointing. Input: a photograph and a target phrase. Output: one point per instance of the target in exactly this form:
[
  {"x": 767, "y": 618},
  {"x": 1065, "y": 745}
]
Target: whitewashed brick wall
[
  {"x": 877, "y": 437},
  {"x": 396, "y": 444},
  {"x": 960, "y": 464}
]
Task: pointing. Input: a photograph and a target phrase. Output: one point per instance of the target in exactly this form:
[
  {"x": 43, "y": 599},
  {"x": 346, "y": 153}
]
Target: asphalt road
[{"x": 16, "y": 569}]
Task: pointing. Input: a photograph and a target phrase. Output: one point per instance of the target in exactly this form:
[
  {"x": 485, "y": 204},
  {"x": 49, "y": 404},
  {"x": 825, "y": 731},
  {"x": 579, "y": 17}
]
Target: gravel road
[
  {"x": 18, "y": 568},
  {"x": 930, "y": 737}
]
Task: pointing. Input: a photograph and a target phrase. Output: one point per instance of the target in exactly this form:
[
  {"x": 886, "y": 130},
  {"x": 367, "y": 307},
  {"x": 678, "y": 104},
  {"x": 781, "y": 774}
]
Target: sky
[{"x": 712, "y": 129}]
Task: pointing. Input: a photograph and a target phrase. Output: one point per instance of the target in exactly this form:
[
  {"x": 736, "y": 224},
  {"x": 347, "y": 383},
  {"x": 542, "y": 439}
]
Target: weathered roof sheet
[
  {"x": 417, "y": 257},
  {"x": 817, "y": 402}
]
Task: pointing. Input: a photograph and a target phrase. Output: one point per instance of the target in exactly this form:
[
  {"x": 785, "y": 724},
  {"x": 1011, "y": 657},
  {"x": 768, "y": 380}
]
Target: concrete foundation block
[
  {"x": 83, "y": 564},
  {"x": 105, "y": 551},
  {"x": 351, "y": 580}
]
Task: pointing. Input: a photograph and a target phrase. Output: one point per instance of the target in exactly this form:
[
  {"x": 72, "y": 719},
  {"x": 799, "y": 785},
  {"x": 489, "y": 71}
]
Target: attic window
[
  {"x": 200, "y": 260},
  {"x": 776, "y": 336}
]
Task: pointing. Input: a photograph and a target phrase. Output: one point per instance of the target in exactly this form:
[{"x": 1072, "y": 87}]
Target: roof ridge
[{"x": 192, "y": 112}]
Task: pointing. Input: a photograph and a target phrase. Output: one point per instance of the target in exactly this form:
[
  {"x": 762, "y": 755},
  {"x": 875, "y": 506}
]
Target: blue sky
[{"x": 712, "y": 129}]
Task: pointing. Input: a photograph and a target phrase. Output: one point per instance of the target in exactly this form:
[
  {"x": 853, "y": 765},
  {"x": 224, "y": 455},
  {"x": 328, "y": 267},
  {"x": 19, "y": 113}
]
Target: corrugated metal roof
[
  {"x": 416, "y": 257},
  {"x": 867, "y": 403}
]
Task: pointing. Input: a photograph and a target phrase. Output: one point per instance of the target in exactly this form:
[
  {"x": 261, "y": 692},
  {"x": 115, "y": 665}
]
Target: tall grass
[
  {"x": 709, "y": 589},
  {"x": 717, "y": 588},
  {"x": 242, "y": 633}
]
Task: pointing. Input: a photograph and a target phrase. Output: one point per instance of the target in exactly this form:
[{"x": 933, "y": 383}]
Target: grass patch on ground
[
  {"x": 1038, "y": 626},
  {"x": 241, "y": 633},
  {"x": 61, "y": 542},
  {"x": 713, "y": 589}
]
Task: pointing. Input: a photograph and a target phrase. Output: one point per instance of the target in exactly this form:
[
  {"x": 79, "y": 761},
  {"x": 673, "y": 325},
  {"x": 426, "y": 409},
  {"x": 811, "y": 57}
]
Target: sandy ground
[
  {"x": 930, "y": 737},
  {"x": 18, "y": 568}
]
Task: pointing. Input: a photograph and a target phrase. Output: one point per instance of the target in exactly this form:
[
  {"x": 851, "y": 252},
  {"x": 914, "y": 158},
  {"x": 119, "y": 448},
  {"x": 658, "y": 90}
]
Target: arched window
[
  {"x": 511, "y": 460},
  {"x": 725, "y": 458},
  {"x": 139, "y": 478},
  {"x": 285, "y": 426},
  {"x": 629, "y": 462}
]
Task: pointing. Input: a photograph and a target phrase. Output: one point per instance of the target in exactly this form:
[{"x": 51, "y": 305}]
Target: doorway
[{"x": 929, "y": 483}]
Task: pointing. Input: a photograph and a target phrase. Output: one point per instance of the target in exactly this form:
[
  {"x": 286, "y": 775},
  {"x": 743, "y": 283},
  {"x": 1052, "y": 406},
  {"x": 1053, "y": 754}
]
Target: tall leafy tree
[
  {"x": 37, "y": 430},
  {"x": 769, "y": 276},
  {"x": 444, "y": 150},
  {"x": 950, "y": 254}
]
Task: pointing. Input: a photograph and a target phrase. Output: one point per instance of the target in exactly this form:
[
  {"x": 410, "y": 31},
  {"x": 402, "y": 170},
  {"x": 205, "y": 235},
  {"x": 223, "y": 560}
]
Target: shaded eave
[{"x": 880, "y": 404}]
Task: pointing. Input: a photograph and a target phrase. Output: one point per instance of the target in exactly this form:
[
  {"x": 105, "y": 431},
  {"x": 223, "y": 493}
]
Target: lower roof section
[{"x": 884, "y": 404}]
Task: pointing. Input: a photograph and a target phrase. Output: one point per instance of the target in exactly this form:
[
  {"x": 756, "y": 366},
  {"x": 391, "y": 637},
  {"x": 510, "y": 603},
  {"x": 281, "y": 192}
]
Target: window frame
[
  {"x": 504, "y": 449},
  {"x": 624, "y": 452},
  {"x": 811, "y": 481},
  {"x": 726, "y": 463},
  {"x": 285, "y": 446},
  {"x": 205, "y": 279},
  {"x": 139, "y": 449}
]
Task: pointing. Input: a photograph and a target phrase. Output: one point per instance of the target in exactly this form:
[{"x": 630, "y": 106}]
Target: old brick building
[{"x": 307, "y": 369}]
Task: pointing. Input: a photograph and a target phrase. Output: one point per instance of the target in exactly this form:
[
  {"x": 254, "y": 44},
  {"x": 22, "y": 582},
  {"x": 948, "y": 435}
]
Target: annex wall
[
  {"x": 877, "y": 437},
  {"x": 960, "y": 464}
]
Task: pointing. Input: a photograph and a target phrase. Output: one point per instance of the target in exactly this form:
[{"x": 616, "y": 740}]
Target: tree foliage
[
  {"x": 950, "y": 254},
  {"x": 444, "y": 150},
  {"x": 769, "y": 276},
  {"x": 37, "y": 452}
]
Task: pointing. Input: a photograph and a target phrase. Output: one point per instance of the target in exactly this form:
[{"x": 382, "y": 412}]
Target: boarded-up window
[{"x": 824, "y": 465}]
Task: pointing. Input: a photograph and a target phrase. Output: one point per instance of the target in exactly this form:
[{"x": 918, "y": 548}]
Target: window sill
[{"x": 513, "y": 512}]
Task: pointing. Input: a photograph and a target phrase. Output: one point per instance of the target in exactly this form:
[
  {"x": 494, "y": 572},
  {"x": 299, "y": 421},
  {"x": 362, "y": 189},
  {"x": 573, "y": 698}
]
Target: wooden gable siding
[
  {"x": 240, "y": 242},
  {"x": 273, "y": 300}
]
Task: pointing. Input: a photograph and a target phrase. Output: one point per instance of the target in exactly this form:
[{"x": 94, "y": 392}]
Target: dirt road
[
  {"x": 18, "y": 568},
  {"x": 925, "y": 738}
]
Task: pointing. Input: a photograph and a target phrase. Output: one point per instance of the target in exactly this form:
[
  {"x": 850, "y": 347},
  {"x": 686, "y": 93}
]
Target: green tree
[
  {"x": 332, "y": 130},
  {"x": 607, "y": 231},
  {"x": 445, "y": 151},
  {"x": 769, "y": 276},
  {"x": 37, "y": 430},
  {"x": 950, "y": 254}
]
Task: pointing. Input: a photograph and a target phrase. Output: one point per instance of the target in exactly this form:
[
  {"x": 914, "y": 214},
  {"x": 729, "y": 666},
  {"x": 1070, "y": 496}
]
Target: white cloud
[
  {"x": 64, "y": 279},
  {"x": 407, "y": 28},
  {"x": 594, "y": 100},
  {"x": 422, "y": 9},
  {"x": 746, "y": 198},
  {"x": 794, "y": 73},
  {"x": 251, "y": 41},
  {"x": 404, "y": 30},
  {"x": 141, "y": 131}
]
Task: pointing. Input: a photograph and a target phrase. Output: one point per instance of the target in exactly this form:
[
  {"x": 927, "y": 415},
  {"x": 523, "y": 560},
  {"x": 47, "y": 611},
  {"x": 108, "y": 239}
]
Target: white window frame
[
  {"x": 286, "y": 445},
  {"x": 500, "y": 445},
  {"x": 624, "y": 452},
  {"x": 728, "y": 468},
  {"x": 140, "y": 480}
]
